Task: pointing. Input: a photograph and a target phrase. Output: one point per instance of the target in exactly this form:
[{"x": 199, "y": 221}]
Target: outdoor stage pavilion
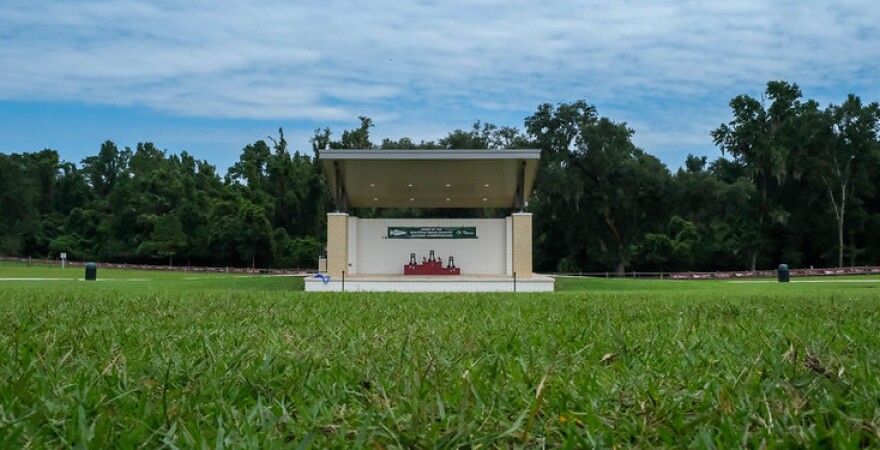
[{"x": 413, "y": 255}]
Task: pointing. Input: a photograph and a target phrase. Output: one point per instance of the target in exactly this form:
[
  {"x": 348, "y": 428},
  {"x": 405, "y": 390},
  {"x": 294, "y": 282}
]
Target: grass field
[
  {"x": 18, "y": 276},
  {"x": 147, "y": 359}
]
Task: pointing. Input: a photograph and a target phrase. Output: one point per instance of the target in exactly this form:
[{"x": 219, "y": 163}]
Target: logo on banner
[{"x": 432, "y": 233}]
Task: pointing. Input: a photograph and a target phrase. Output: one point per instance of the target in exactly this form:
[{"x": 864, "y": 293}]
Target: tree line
[{"x": 796, "y": 183}]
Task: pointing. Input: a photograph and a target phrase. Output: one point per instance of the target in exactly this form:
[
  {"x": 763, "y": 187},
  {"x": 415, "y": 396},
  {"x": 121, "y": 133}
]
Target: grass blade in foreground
[{"x": 713, "y": 365}]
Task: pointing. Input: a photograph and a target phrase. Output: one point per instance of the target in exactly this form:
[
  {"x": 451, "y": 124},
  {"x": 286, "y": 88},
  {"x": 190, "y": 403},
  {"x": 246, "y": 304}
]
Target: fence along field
[{"x": 223, "y": 361}]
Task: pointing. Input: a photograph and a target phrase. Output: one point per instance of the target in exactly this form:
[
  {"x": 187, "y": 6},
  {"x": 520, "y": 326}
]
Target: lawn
[
  {"x": 20, "y": 276},
  {"x": 183, "y": 360}
]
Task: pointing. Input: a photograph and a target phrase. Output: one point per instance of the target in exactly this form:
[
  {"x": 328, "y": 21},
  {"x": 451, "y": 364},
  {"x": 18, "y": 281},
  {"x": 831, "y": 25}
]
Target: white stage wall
[{"x": 370, "y": 252}]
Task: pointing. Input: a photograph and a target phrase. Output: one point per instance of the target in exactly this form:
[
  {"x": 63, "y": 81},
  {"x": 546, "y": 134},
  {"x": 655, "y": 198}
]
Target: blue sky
[{"x": 209, "y": 77}]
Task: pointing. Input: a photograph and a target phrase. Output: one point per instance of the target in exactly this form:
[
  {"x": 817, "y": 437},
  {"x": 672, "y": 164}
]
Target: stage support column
[
  {"x": 522, "y": 244},
  {"x": 337, "y": 244}
]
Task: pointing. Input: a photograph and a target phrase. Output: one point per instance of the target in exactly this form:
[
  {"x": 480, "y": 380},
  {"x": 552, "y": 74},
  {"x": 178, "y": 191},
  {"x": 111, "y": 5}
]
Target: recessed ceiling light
[
  {"x": 409, "y": 185},
  {"x": 412, "y": 199},
  {"x": 448, "y": 185},
  {"x": 372, "y": 184},
  {"x": 487, "y": 185},
  {"x": 485, "y": 199},
  {"x": 375, "y": 199},
  {"x": 447, "y": 199}
]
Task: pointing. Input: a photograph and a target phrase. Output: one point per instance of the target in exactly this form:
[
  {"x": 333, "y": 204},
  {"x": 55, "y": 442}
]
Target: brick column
[
  {"x": 522, "y": 244},
  {"x": 337, "y": 244}
]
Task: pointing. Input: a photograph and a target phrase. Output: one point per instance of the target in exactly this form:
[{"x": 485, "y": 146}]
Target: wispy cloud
[{"x": 415, "y": 63}]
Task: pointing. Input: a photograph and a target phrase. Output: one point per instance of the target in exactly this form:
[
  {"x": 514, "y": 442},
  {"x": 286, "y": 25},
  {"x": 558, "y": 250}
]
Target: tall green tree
[
  {"x": 358, "y": 138},
  {"x": 104, "y": 168},
  {"x": 18, "y": 201},
  {"x": 554, "y": 129},
  {"x": 166, "y": 240},
  {"x": 718, "y": 199},
  {"x": 841, "y": 156},
  {"x": 599, "y": 193},
  {"x": 763, "y": 139},
  {"x": 625, "y": 187}
]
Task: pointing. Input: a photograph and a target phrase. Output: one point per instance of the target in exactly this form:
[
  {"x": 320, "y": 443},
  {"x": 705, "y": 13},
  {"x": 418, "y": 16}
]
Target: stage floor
[{"x": 438, "y": 283}]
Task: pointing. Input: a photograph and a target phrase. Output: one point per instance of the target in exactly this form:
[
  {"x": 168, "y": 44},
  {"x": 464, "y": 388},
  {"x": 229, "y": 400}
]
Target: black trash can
[
  {"x": 91, "y": 271},
  {"x": 782, "y": 273}
]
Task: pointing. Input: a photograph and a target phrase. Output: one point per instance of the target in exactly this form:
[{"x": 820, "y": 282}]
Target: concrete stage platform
[{"x": 442, "y": 283}]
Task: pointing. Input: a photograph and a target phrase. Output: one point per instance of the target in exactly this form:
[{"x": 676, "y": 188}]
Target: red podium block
[{"x": 430, "y": 268}]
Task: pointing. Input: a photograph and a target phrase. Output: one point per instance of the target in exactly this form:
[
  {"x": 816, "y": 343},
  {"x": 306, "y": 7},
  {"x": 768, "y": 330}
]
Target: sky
[{"x": 209, "y": 77}]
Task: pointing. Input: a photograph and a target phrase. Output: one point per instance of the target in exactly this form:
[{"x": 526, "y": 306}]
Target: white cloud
[{"x": 410, "y": 61}]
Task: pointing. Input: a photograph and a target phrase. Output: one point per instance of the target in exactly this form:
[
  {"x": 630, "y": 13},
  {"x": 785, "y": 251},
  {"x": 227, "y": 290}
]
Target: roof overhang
[{"x": 430, "y": 178}]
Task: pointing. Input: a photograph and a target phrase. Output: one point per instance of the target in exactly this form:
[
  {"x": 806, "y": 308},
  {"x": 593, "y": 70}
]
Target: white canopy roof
[{"x": 430, "y": 178}]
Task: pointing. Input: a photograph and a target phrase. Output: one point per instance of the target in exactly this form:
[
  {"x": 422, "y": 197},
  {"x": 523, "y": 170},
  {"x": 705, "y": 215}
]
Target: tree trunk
[
  {"x": 839, "y": 214},
  {"x": 621, "y": 259},
  {"x": 840, "y": 242},
  {"x": 753, "y": 265}
]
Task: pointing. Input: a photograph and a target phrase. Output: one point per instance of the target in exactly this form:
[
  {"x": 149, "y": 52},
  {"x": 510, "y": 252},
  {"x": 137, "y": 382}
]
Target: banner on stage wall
[{"x": 432, "y": 233}]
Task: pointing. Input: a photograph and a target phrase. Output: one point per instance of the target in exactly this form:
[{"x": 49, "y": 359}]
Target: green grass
[
  {"x": 802, "y": 285},
  {"x": 216, "y": 361},
  {"x": 139, "y": 280}
]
